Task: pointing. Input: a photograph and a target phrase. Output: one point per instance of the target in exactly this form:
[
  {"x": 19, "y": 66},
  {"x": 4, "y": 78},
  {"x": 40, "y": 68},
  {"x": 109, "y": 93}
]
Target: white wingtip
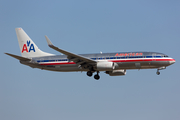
[{"x": 48, "y": 41}]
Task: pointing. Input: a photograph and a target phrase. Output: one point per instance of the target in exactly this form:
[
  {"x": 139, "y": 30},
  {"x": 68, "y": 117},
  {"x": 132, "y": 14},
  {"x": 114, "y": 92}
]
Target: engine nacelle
[
  {"x": 116, "y": 72},
  {"x": 105, "y": 66}
]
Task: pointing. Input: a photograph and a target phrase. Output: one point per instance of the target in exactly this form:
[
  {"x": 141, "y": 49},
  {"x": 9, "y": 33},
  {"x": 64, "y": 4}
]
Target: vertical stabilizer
[{"x": 27, "y": 47}]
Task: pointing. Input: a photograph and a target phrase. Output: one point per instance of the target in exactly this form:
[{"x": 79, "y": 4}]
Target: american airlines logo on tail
[{"x": 30, "y": 46}]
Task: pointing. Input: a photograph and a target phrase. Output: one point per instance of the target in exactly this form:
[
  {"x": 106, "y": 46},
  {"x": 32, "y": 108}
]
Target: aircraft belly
[
  {"x": 65, "y": 68},
  {"x": 141, "y": 65},
  {"x": 161, "y": 63}
]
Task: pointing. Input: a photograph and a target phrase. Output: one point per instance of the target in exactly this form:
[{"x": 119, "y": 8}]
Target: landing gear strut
[{"x": 97, "y": 76}]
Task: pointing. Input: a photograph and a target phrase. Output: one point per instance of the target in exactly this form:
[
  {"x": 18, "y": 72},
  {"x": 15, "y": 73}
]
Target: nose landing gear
[
  {"x": 161, "y": 68},
  {"x": 158, "y": 73}
]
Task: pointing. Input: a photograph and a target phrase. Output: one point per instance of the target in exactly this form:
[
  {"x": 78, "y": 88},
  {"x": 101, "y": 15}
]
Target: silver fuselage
[{"x": 123, "y": 60}]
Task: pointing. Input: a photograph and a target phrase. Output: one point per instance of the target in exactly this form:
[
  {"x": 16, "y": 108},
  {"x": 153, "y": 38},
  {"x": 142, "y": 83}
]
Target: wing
[{"x": 73, "y": 57}]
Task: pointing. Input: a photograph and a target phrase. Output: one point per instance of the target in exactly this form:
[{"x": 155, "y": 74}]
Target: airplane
[{"x": 114, "y": 64}]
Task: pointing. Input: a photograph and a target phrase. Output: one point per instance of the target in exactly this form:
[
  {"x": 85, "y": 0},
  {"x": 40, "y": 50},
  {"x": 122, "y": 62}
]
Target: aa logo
[{"x": 30, "y": 46}]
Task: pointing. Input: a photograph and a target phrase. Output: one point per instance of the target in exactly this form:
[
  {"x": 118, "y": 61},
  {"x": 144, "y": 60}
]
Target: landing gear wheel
[
  {"x": 89, "y": 73},
  {"x": 158, "y": 73},
  {"x": 96, "y": 77}
]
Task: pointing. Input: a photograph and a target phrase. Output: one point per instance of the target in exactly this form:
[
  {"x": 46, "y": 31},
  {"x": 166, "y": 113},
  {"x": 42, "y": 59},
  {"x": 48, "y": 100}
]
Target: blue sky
[{"x": 90, "y": 27}]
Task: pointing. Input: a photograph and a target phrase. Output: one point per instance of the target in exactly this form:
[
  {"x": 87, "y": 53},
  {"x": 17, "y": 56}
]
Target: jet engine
[
  {"x": 116, "y": 72},
  {"x": 105, "y": 66}
]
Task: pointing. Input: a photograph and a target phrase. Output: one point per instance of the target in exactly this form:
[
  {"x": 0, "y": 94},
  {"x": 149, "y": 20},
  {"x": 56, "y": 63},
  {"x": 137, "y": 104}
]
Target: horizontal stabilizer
[{"x": 18, "y": 57}]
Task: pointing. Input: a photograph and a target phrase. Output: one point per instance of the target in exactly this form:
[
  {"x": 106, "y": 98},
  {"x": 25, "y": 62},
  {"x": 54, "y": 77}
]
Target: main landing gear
[
  {"x": 97, "y": 76},
  {"x": 89, "y": 73}
]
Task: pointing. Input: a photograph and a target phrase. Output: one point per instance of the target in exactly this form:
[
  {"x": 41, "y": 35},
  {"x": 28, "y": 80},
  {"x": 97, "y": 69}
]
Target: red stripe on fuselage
[{"x": 140, "y": 60}]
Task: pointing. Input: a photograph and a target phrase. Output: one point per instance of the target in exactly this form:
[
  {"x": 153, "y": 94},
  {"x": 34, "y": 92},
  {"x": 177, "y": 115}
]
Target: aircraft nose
[{"x": 172, "y": 61}]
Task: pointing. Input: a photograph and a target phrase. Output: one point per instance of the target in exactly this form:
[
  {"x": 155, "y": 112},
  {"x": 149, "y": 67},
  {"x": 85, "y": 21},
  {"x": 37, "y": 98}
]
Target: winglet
[{"x": 48, "y": 41}]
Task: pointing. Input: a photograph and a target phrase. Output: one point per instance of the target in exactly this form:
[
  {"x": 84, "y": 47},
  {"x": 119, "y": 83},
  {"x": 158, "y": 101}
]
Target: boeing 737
[{"x": 114, "y": 64}]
